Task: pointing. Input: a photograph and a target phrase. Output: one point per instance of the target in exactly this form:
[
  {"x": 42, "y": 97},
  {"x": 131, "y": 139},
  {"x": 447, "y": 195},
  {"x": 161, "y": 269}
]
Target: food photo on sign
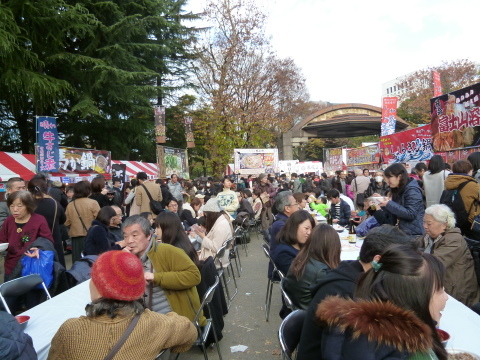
[{"x": 455, "y": 119}]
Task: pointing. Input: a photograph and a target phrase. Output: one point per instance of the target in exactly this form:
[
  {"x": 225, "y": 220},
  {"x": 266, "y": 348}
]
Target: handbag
[
  {"x": 155, "y": 206},
  {"x": 360, "y": 197},
  {"x": 124, "y": 337},
  {"x": 42, "y": 266}
]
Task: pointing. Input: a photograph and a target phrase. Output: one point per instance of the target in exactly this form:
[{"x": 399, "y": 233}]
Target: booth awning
[
  {"x": 134, "y": 167},
  {"x": 16, "y": 165}
]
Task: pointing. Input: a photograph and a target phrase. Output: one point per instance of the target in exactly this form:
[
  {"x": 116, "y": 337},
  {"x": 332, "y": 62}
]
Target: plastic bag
[
  {"x": 42, "y": 266},
  {"x": 363, "y": 228}
]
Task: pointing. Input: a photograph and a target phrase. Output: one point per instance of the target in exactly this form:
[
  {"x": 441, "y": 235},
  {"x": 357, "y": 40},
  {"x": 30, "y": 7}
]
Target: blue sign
[
  {"x": 66, "y": 180},
  {"x": 47, "y": 140}
]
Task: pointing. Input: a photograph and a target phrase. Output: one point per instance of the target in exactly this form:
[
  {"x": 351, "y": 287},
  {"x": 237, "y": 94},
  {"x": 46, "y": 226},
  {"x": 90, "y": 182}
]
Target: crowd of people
[{"x": 414, "y": 250}]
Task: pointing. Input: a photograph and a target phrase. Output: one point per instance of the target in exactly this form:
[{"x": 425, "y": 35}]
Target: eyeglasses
[{"x": 294, "y": 204}]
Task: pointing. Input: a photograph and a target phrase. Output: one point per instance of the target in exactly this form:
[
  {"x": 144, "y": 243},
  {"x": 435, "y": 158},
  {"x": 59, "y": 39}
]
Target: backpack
[
  {"x": 474, "y": 247},
  {"x": 454, "y": 201}
]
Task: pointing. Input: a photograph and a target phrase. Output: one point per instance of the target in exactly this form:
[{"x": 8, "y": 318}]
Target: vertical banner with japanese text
[
  {"x": 160, "y": 130},
  {"x": 437, "y": 84},
  {"x": 389, "y": 113},
  {"x": 47, "y": 144},
  {"x": 189, "y": 132},
  {"x": 119, "y": 173}
]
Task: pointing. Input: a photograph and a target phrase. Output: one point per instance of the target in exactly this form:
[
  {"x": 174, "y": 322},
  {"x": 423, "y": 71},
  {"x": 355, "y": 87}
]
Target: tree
[
  {"x": 251, "y": 93},
  {"x": 415, "y": 102}
]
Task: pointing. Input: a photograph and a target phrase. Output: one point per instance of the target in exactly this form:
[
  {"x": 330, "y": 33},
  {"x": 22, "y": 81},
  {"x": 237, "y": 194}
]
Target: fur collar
[{"x": 384, "y": 323}]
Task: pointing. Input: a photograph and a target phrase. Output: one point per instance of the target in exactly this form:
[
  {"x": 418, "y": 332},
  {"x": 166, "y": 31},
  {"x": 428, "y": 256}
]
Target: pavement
[{"x": 245, "y": 322}]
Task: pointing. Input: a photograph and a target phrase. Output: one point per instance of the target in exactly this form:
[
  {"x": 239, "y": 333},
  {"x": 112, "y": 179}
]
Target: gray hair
[
  {"x": 282, "y": 199},
  {"x": 443, "y": 214},
  {"x": 137, "y": 219}
]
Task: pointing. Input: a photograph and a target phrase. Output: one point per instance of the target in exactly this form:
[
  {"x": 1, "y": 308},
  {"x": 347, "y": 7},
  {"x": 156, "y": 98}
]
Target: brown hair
[
  {"x": 322, "y": 245},
  {"x": 37, "y": 187},
  {"x": 299, "y": 197},
  {"x": 211, "y": 218},
  {"x": 25, "y": 197},
  {"x": 81, "y": 189},
  {"x": 98, "y": 184},
  {"x": 288, "y": 234},
  {"x": 462, "y": 167}
]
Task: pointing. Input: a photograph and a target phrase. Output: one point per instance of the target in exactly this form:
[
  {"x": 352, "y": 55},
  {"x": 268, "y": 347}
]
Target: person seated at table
[
  {"x": 116, "y": 290},
  {"x": 446, "y": 242},
  {"x": 169, "y": 230},
  {"x": 14, "y": 343},
  {"x": 172, "y": 206},
  {"x": 218, "y": 230},
  {"x": 340, "y": 211},
  {"x": 291, "y": 238},
  {"x": 99, "y": 238},
  {"x": 21, "y": 229},
  {"x": 172, "y": 277},
  {"x": 342, "y": 281},
  {"x": 320, "y": 253},
  {"x": 399, "y": 302},
  {"x": 189, "y": 213},
  {"x": 320, "y": 205},
  {"x": 148, "y": 215},
  {"x": 301, "y": 200}
]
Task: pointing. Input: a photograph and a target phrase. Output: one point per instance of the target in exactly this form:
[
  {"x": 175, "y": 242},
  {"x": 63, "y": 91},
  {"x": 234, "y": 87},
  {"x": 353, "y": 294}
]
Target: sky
[{"x": 347, "y": 49}]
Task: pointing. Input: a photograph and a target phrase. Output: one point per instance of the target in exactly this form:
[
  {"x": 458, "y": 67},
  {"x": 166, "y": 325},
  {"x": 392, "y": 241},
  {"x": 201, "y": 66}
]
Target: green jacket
[
  {"x": 321, "y": 208},
  {"x": 178, "y": 276}
]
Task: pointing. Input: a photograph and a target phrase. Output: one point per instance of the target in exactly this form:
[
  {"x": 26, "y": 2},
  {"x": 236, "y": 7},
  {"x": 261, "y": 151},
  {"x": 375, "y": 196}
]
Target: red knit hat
[{"x": 118, "y": 275}]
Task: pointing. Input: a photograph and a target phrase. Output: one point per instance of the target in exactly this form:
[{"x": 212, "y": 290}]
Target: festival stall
[
  {"x": 365, "y": 157},
  {"x": 334, "y": 159},
  {"x": 256, "y": 161}
]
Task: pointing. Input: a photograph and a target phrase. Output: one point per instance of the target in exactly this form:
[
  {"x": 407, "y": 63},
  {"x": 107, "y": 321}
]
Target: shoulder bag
[
  {"x": 155, "y": 206},
  {"x": 124, "y": 337},
  {"x": 360, "y": 197},
  {"x": 81, "y": 220}
]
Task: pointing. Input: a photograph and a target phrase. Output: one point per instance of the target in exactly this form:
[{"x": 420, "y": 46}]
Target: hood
[
  {"x": 381, "y": 322},
  {"x": 348, "y": 270},
  {"x": 455, "y": 180}
]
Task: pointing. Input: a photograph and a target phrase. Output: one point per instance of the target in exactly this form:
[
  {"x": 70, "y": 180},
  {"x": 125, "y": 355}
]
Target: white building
[{"x": 394, "y": 87}]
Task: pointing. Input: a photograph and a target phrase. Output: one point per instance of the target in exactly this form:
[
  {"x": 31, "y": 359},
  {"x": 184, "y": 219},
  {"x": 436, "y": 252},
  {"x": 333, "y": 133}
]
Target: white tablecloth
[{"x": 46, "y": 318}]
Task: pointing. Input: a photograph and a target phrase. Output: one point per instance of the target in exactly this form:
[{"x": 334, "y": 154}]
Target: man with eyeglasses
[{"x": 286, "y": 205}]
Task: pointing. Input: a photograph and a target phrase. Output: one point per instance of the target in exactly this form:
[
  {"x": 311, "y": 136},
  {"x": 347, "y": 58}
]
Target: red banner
[
  {"x": 437, "y": 84},
  {"x": 389, "y": 113},
  {"x": 456, "y": 119},
  {"x": 405, "y": 146}
]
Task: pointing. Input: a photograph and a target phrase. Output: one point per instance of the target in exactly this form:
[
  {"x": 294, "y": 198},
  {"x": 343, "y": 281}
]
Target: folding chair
[
  {"x": 19, "y": 287},
  {"x": 289, "y": 333},
  {"x": 288, "y": 302},
  {"x": 221, "y": 272},
  {"x": 271, "y": 280},
  {"x": 205, "y": 330},
  {"x": 236, "y": 256}
]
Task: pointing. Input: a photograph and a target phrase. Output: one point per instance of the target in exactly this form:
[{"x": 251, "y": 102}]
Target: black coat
[
  {"x": 14, "y": 343},
  {"x": 345, "y": 213},
  {"x": 339, "y": 281},
  {"x": 99, "y": 239}
]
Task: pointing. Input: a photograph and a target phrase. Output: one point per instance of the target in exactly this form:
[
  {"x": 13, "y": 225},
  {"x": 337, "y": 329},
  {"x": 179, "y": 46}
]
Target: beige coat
[
  {"x": 87, "y": 209},
  {"x": 141, "y": 197},
  {"x": 221, "y": 231}
]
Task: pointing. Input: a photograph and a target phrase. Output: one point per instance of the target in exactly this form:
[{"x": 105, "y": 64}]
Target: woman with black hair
[
  {"x": 51, "y": 210},
  {"x": 399, "y": 302},
  {"x": 434, "y": 180},
  {"x": 99, "y": 238},
  {"x": 291, "y": 238},
  {"x": 474, "y": 159},
  {"x": 405, "y": 207},
  {"x": 169, "y": 230}
]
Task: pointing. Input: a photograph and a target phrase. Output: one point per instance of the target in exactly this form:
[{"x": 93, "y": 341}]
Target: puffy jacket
[
  {"x": 407, "y": 209},
  {"x": 99, "y": 239},
  {"x": 14, "y": 343},
  {"x": 345, "y": 213}
]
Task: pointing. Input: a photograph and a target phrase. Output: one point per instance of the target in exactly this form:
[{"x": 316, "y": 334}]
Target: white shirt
[{"x": 348, "y": 201}]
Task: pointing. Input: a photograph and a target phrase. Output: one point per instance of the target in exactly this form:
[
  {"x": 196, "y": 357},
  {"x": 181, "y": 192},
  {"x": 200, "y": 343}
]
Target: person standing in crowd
[
  {"x": 118, "y": 188},
  {"x": 267, "y": 197},
  {"x": 320, "y": 253},
  {"x": 13, "y": 184},
  {"x": 52, "y": 211},
  {"x": 474, "y": 159},
  {"x": 99, "y": 191},
  {"x": 99, "y": 239},
  {"x": 378, "y": 185},
  {"x": 227, "y": 198},
  {"x": 366, "y": 173},
  {"x": 69, "y": 192},
  {"x": 325, "y": 184},
  {"x": 116, "y": 291},
  {"x": 166, "y": 195},
  {"x": 339, "y": 182},
  {"x": 359, "y": 185},
  {"x": 55, "y": 191},
  {"x": 21, "y": 228},
  {"x": 339, "y": 210},
  {"x": 462, "y": 175},
  {"x": 141, "y": 197},
  {"x": 132, "y": 207},
  {"x": 80, "y": 214},
  {"x": 434, "y": 180},
  {"x": 297, "y": 185},
  {"x": 405, "y": 208},
  {"x": 257, "y": 204},
  {"x": 219, "y": 229},
  {"x": 176, "y": 190},
  {"x": 446, "y": 242},
  {"x": 172, "y": 277},
  {"x": 115, "y": 226}
]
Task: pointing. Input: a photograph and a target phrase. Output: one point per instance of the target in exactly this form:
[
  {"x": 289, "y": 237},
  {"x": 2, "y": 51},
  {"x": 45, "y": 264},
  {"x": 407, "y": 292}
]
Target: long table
[{"x": 46, "y": 318}]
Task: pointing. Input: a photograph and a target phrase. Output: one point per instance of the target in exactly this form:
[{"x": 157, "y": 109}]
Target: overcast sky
[{"x": 347, "y": 49}]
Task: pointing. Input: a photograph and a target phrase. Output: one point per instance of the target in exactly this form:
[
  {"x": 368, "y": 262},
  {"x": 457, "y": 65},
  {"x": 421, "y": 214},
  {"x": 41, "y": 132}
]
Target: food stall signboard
[
  {"x": 84, "y": 161},
  {"x": 405, "y": 146},
  {"x": 363, "y": 155},
  {"x": 256, "y": 161}
]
